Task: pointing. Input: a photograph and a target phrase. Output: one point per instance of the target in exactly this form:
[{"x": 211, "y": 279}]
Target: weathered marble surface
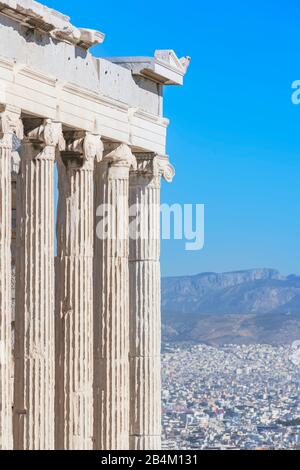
[
  {"x": 80, "y": 359},
  {"x": 144, "y": 288},
  {"x": 9, "y": 124}
]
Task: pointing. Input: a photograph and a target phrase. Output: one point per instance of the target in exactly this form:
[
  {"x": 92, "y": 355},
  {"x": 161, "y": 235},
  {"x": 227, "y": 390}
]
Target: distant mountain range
[{"x": 252, "y": 306}]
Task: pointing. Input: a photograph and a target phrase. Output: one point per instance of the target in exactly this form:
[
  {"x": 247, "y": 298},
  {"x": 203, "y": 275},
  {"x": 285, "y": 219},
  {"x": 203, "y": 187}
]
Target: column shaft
[
  {"x": 74, "y": 304},
  {"x": 145, "y": 315},
  {"x": 34, "y": 323},
  {"x": 14, "y": 175},
  {"x": 111, "y": 336},
  {"x": 9, "y": 124},
  {"x": 5, "y": 295},
  {"x": 145, "y": 327}
]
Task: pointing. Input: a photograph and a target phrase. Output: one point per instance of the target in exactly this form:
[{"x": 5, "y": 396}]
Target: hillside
[{"x": 257, "y": 306}]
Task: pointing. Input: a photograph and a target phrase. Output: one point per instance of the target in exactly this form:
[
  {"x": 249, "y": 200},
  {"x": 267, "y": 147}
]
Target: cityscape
[
  {"x": 230, "y": 397},
  {"x": 142, "y": 321}
]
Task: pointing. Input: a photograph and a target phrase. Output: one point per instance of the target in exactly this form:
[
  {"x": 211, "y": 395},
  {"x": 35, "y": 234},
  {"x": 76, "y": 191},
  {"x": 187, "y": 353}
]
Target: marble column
[
  {"x": 145, "y": 317},
  {"x": 111, "y": 312},
  {"x": 34, "y": 323},
  {"x": 15, "y": 168},
  {"x": 10, "y": 125},
  {"x": 74, "y": 292}
]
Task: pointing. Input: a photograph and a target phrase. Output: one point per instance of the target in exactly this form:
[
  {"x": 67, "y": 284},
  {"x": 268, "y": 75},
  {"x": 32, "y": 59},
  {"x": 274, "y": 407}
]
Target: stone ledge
[
  {"x": 164, "y": 68},
  {"x": 35, "y": 15}
]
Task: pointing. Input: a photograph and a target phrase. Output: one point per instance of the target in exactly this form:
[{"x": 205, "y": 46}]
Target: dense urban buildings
[{"x": 231, "y": 397}]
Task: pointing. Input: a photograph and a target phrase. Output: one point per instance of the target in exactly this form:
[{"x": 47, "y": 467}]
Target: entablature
[{"x": 47, "y": 71}]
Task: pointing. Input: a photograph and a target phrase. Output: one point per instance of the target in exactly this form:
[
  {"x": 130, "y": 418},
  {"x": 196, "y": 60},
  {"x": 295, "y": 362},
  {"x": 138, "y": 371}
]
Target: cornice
[{"x": 34, "y": 15}]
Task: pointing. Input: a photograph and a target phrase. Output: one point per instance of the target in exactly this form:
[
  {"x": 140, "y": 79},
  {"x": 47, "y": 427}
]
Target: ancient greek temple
[{"x": 79, "y": 311}]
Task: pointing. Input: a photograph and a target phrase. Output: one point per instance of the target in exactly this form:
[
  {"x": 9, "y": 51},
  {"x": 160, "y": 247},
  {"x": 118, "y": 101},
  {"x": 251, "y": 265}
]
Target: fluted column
[
  {"x": 34, "y": 323},
  {"x": 111, "y": 320},
  {"x": 10, "y": 124},
  {"x": 74, "y": 293},
  {"x": 15, "y": 168},
  {"x": 145, "y": 317}
]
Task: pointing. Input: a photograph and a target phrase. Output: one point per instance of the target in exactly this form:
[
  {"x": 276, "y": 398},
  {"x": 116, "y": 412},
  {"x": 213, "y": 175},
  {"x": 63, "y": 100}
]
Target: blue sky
[{"x": 234, "y": 136}]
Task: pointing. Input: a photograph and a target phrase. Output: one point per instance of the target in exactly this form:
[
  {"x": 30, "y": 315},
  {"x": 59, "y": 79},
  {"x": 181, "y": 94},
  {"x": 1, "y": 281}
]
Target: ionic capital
[
  {"x": 10, "y": 123},
  {"x": 84, "y": 145},
  {"x": 119, "y": 155},
  {"x": 153, "y": 166},
  {"x": 48, "y": 134},
  {"x": 163, "y": 168}
]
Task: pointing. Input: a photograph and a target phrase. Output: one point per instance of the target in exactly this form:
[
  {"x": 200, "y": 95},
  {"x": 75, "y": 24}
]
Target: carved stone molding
[
  {"x": 85, "y": 146},
  {"x": 163, "y": 168},
  {"x": 34, "y": 15},
  {"x": 42, "y": 139},
  {"x": 10, "y": 123},
  {"x": 48, "y": 133},
  {"x": 144, "y": 165},
  {"x": 152, "y": 165},
  {"x": 119, "y": 155},
  {"x": 169, "y": 57}
]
